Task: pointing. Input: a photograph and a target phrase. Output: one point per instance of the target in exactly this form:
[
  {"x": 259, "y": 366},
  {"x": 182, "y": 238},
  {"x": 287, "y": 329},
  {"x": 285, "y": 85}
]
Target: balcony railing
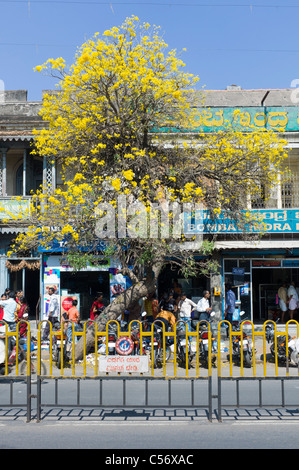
[{"x": 12, "y": 208}]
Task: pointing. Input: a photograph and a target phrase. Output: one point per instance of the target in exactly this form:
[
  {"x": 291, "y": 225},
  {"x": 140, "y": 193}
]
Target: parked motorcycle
[
  {"x": 22, "y": 355},
  {"x": 112, "y": 337},
  {"x": 59, "y": 347},
  {"x": 148, "y": 344},
  {"x": 158, "y": 328},
  {"x": 11, "y": 352},
  {"x": 283, "y": 346},
  {"x": 242, "y": 345},
  {"x": 184, "y": 351},
  {"x": 203, "y": 341}
]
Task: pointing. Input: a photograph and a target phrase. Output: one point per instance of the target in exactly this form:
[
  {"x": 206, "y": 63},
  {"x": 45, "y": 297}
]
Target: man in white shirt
[
  {"x": 203, "y": 306},
  {"x": 185, "y": 308},
  {"x": 53, "y": 312},
  {"x": 9, "y": 308}
]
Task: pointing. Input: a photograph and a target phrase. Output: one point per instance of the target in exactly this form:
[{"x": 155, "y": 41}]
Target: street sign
[
  {"x": 126, "y": 364},
  {"x": 124, "y": 345}
]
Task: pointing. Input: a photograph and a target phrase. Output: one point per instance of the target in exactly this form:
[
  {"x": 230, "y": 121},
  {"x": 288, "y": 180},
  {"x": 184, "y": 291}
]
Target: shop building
[{"x": 257, "y": 268}]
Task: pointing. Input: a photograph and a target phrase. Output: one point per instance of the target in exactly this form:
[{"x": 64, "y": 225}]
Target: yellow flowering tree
[{"x": 124, "y": 181}]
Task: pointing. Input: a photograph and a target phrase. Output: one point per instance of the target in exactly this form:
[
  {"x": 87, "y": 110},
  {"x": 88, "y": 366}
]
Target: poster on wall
[
  {"x": 66, "y": 304},
  {"x": 117, "y": 283},
  {"x": 51, "y": 280},
  {"x": 244, "y": 290}
]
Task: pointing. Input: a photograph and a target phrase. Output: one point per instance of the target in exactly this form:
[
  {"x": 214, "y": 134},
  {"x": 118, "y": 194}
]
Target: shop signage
[
  {"x": 273, "y": 221},
  {"x": 125, "y": 364},
  {"x": 290, "y": 263},
  {"x": 238, "y": 271},
  {"x": 265, "y": 263},
  {"x": 213, "y": 119}
]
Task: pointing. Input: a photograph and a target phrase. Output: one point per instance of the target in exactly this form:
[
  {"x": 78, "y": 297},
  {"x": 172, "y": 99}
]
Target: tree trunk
[{"x": 112, "y": 312}]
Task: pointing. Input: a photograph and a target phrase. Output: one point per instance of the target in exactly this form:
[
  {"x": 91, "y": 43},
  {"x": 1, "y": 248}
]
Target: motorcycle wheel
[
  {"x": 182, "y": 359},
  {"x": 167, "y": 354},
  {"x": 62, "y": 360},
  {"x": 246, "y": 359},
  {"x": 58, "y": 361},
  {"x": 33, "y": 361},
  {"x": 155, "y": 360}
]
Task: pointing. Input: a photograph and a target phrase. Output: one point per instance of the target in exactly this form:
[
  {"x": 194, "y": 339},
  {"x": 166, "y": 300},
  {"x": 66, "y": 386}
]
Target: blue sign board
[{"x": 273, "y": 221}]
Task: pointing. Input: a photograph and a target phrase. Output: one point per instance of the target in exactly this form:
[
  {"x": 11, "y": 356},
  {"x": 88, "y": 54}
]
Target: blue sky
[{"x": 228, "y": 42}]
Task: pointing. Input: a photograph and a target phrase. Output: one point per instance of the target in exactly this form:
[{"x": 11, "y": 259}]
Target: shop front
[
  {"x": 256, "y": 282},
  {"x": 83, "y": 285}
]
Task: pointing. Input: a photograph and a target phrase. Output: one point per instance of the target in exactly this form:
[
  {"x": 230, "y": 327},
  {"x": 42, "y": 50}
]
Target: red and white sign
[
  {"x": 66, "y": 303},
  {"x": 124, "y": 364},
  {"x": 124, "y": 345}
]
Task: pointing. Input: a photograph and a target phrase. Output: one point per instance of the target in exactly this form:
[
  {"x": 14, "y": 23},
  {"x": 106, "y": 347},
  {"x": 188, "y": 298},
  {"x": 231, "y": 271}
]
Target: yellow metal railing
[{"x": 264, "y": 361}]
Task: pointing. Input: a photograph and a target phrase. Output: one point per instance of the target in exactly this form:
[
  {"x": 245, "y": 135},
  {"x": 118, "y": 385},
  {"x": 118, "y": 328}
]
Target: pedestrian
[
  {"x": 22, "y": 315},
  {"x": 74, "y": 316},
  {"x": 177, "y": 288},
  {"x": 53, "y": 312},
  {"x": 9, "y": 308},
  {"x": 163, "y": 302},
  {"x": 185, "y": 306},
  {"x": 155, "y": 305},
  {"x": 3, "y": 297},
  {"x": 96, "y": 306},
  {"x": 230, "y": 305},
  {"x": 283, "y": 299},
  {"x": 203, "y": 306},
  {"x": 166, "y": 317},
  {"x": 148, "y": 308},
  {"x": 292, "y": 299}
]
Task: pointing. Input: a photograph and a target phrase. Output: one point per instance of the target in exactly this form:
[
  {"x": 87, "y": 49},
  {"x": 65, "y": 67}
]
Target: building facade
[{"x": 254, "y": 268}]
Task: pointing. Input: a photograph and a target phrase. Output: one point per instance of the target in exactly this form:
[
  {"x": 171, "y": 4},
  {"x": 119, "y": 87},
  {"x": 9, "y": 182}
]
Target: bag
[{"x": 236, "y": 315}]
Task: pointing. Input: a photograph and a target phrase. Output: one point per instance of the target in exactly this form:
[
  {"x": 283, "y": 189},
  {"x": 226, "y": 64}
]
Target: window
[{"x": 34, "y": 177}]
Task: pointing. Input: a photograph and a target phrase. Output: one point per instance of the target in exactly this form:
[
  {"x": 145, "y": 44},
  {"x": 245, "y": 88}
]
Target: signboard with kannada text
[
  {"x": 273, "y": 220},
  {"x": 213, "y": 119},
  {"x": 139, "y": 364}
]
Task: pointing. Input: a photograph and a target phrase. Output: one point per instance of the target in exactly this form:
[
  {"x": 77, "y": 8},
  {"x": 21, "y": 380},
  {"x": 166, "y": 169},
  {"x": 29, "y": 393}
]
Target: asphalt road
[{"x": 277, "y": 430}]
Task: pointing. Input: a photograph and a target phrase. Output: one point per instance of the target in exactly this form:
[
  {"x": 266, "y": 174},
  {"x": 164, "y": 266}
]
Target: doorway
[
  {"x": 85, "y": 285},
  {"x": 265, "y": 284},
  {"x": 27, "y": 280}
]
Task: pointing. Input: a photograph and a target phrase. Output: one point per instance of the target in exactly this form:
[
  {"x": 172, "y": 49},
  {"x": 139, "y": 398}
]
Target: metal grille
[
  {"x": 49, "y": 173},
  {"x": 290, "y": 192}
]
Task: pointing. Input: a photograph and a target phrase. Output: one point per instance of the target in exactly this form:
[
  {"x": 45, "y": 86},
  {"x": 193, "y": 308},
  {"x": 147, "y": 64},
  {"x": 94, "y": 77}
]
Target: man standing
[
  {"x": 53, "y": 312},
  {"x": 203, "y": 306},
  {"x": 283, "y": 300},
  {"x": 230, "y": 305},
  {"x": 9, "y": 308},
  {"x": 292, "y": 299},
  {"x": 185, "y": 307},
  {"x": 74, "y": 317}
]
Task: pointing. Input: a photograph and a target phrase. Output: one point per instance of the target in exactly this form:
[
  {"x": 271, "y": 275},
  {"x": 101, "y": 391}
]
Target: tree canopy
[{"x": 127, "y": 183}]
